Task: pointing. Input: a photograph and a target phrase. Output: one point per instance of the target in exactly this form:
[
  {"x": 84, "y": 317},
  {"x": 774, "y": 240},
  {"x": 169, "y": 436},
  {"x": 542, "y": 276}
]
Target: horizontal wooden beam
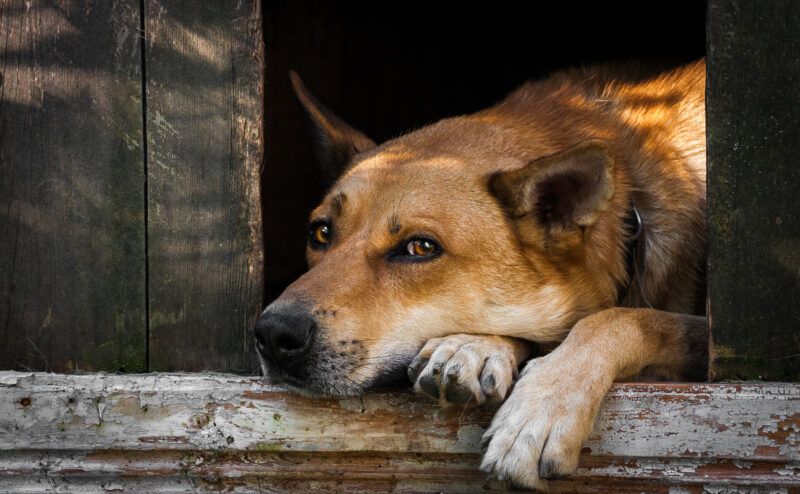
[{"x": 160, "y": 432}]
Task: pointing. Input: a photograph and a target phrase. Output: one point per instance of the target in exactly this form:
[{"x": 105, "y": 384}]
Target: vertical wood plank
[
  {"x": 753, "y": 119},
  {"x": 204, "y": 67},
  {"x": 71, "y": 195}
]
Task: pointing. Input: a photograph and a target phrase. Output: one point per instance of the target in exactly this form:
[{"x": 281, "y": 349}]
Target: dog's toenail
[
  {"x": 458, "y": 394},
  {"x": 544, "y": 469},
  {"x": 429, "y": 385},
  {"x": 488, "y": 384},
  {"x": 548, "y": 469},
  {"x": 413, "y": 369},
  {"x": 453, "y": 372}
]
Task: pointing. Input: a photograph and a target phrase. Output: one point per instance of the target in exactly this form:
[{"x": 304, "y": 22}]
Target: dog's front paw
[
  {"x": 537, "y": 433},
  {"x": 464, "y": 368}
]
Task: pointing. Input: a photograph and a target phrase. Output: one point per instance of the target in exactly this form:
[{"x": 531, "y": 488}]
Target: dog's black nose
[{"x": 285, "y": 334}]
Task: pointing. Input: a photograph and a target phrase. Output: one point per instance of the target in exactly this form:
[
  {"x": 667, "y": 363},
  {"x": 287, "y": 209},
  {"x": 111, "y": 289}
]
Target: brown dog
[{"x": 472, "y": 237}]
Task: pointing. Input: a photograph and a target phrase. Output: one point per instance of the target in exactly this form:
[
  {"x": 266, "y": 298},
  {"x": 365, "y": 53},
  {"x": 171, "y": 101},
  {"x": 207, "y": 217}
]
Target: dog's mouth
[
  {"x": 336, "y": 378},
  {"x": 299, "y": 350}
]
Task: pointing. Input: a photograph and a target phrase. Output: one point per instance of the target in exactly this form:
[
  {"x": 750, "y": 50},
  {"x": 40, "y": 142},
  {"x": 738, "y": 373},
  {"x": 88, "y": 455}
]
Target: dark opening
[{"x": 387, "y": 68}]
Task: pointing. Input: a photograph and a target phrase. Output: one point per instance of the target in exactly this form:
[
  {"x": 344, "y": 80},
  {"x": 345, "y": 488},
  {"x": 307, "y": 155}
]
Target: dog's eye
[
  {"x": 319, "y": 234},
  {"x": 421, "y": 247},
  {"x": 415, "y": 249}
]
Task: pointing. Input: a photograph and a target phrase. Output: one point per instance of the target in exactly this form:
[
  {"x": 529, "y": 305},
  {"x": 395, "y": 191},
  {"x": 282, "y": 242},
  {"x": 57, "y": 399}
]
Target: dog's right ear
[
  {"x": 564, "y": 193},
  {"x": 337, "y": 141}
]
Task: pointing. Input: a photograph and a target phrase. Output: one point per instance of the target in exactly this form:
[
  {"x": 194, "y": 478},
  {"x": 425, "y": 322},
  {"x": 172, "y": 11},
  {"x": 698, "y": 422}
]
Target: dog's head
[{"x": 454, "y": 228}]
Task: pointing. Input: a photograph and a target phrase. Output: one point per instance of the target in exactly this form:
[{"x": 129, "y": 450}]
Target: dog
[{"x": 571, "y": 214}]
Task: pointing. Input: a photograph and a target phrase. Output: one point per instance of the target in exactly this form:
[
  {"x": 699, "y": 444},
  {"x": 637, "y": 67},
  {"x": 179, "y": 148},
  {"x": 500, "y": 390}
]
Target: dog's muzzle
[{"x": 284, "y": 335}]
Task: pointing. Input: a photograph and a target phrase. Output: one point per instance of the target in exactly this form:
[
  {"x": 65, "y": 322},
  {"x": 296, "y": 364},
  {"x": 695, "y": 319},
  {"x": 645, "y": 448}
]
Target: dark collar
[{"x": 633, "y": 228}]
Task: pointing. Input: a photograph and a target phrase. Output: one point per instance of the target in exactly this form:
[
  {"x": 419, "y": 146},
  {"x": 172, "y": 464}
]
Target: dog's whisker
[{"x": 345, "y": 304}]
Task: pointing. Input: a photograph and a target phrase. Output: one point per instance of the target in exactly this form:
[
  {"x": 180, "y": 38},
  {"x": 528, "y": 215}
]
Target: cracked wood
[{"x": 215, "y": 431}]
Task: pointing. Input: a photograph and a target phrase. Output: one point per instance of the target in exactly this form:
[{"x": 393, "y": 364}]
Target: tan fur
[{"x": 467, "y": 183}]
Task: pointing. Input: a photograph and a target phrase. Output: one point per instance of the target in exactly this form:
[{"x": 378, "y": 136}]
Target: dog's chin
[
  {"x": 321, "y": 389},
  {"x": 331, "y": 386}
]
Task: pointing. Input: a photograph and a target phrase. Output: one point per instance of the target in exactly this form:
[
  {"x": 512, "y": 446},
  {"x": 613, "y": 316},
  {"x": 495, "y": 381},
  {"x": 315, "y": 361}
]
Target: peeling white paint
[
  {"x": 677, "y": 434},
  {"x": 10, "y": 378},
  {"x": 741, "y": 489},
  {"x": 471, "y": 435},
  {"x": 791, "y": 469},
  {"x": 676, "y": 489},
  {"x": 734, "y": 421}
]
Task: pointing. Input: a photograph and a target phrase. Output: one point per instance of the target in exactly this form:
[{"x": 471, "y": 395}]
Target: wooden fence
[
  {"x": 132, "y": 138},
  {"x": 130, "y": 153},
  {"x": 131, "y": 144}
]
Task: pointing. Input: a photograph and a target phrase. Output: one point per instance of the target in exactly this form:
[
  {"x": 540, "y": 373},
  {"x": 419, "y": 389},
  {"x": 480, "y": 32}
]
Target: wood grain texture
[
  {"x": 204, "y": 66},
  {"x": 753, "y": 121},
  {"x": 72, "y": 277},
  {"x": 163, "y": 432}
]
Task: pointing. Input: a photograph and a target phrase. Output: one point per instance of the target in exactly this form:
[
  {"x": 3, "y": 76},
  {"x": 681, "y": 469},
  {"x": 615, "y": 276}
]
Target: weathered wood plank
[
  {"x": 753, "y": 106},
  {"x": 235, "y": 471},
  {"x": 72, "y": 267},
  {"x": 204, "y": 67},
  {"x": 213, "y": 432}
]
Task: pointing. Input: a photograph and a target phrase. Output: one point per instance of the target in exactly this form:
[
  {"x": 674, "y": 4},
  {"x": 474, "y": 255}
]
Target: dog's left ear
[
  {"x": 561, "y": 192},
  {"x": 338, "y": 142}
]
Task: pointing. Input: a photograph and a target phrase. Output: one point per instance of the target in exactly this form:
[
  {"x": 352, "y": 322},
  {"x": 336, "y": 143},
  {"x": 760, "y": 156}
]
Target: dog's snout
[{"x": 285, "y": 335}]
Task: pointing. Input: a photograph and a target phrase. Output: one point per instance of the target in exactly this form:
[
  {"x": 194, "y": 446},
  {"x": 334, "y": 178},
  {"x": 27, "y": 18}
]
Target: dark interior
[{"x": 387, "y": 68}]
